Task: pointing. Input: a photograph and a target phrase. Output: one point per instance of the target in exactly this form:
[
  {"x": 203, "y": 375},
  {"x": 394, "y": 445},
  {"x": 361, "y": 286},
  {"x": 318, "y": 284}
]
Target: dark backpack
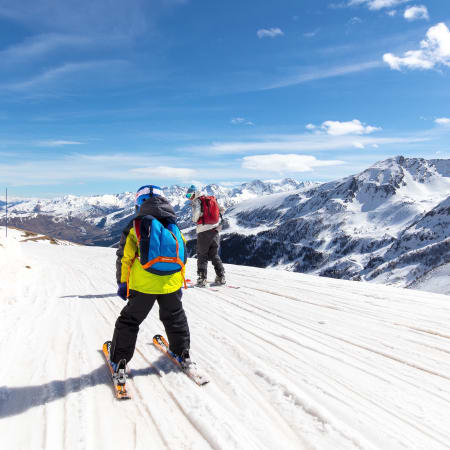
[
  {"x": 162, "y": 250},
  {"x": 210, "y": 210}
]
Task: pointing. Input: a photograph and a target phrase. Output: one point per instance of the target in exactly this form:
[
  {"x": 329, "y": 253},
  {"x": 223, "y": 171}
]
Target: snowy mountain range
[
  {"x": 388, "y": 224},
  {"x": 99, "y": 220}
]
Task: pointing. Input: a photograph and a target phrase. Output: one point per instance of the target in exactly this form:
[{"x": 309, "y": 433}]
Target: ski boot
[
  {"x": 185, "y": 360},
  {"x": 120, "y": 371},
  {"x": 201, "y": 280},
  {"x": 220, "y": 279}
]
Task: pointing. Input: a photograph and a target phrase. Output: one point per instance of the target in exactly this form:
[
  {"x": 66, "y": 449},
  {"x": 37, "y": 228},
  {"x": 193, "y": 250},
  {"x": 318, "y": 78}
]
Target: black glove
[{"x": 122, "y": 291}]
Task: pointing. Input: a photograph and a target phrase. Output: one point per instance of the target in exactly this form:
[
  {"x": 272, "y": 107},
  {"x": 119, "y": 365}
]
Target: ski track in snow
[{"x": 295, "y": 361}]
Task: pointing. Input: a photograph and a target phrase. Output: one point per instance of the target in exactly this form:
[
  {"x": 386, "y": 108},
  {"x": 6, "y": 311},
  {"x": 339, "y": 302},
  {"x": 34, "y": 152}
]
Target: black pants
[
  {"x": 208, "y": 243},
  {"x": 171, "y": 313}
]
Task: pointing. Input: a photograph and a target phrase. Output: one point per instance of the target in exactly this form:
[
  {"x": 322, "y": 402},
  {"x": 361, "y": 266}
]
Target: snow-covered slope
[
  {"x": 422, "y": 247},
  {"x": 296, "y": 361},
  {"x": 390, "y": 224},
  {"x": 14, "y": 235},
  {"x": 437, "y": 280}
]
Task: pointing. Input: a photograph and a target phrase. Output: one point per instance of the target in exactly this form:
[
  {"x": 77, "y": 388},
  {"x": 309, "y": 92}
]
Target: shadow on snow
[{"x": 17, "y": 400}]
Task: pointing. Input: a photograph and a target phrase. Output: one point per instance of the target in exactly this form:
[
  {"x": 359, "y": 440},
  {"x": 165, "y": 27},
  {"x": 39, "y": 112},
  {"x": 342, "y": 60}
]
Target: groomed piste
[{"x": 295, "y": 361}]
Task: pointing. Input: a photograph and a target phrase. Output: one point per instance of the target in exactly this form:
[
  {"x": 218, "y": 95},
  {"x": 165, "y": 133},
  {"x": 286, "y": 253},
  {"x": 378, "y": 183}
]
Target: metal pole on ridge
[{"x": 7, "y": 212}]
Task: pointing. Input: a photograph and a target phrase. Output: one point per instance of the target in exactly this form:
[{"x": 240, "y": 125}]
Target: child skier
[
  {"x": 206, "y": 213},
  {"x": 143, "y": 288}
]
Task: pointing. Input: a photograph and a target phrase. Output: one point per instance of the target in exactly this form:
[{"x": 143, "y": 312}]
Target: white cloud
[
  {"x": 323, "y": 73},
  {"x": 443, "y": 121},
  {"x": 412, "y": 59},
  {"x": 271, "y": 32},
  {"x": 299, "y": 143},
  {"x": 241, "y": 121},
  {"x": 435, "y": 51},
  {"x": 416, "y": 13},
  {"x": 82, "y": 167},
  {"x": 377, "y": 4},
  {"x": 310, "y": 126},
  {"x": 359, "y": 145},
  {"x": 391, "y": 13},
  {"x": 285, "y": 163},
  {"x": 311, "y": 34},
  {"x": 336, "y": 128},
  {"x": 93, "y": 18},
  {"x": 62, "y": 72},
  {"x": 354, "y": 20},
  {"x": 165, "y": 172},
  {"x": 41, "y": 45},
  {"x": 57, "y": 143},
  {"x": 229, "y": 183}
]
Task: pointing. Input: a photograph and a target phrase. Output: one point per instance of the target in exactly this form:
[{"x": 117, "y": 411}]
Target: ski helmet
[
  {"x": 145, "y": 192},
  {"x": 191, "y": 192}
]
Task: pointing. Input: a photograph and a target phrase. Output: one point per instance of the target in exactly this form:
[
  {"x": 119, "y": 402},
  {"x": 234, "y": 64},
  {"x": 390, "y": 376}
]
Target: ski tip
[
  {"x": 159, "y": 340},
  {"x": 122, "y": 394},
  {"x": 106, "y": 346},
  {"x": 202, "y": 381}
]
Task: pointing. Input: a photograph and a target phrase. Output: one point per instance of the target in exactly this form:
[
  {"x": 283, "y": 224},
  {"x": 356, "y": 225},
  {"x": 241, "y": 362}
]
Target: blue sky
[{"x": 102, "y": 97}]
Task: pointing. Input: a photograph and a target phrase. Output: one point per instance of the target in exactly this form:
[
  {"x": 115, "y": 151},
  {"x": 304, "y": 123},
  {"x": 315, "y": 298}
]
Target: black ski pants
[
  {"x": 172, "y": 316},
  {"x": 208, "y": 243}
]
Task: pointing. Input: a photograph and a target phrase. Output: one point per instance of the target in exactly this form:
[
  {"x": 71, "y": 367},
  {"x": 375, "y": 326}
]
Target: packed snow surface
[
  {"x": 295, "y": 361},
  {"x": 437, "y": 280}
]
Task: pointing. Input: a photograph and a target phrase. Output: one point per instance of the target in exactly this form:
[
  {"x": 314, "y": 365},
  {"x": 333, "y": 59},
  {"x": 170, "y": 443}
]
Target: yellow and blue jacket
[{"x": 128, "y": 267}]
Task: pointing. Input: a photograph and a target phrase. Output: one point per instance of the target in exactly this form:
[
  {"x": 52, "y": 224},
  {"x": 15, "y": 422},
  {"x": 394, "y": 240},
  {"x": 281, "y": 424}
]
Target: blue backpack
[{"x": 162, "y": 250}]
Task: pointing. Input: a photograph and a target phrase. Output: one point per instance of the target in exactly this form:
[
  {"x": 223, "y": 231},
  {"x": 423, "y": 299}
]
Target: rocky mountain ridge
[{"x": 390, "y": 223}]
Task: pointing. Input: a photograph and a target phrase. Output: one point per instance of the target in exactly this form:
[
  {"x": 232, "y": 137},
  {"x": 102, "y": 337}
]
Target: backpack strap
[
  {"x": 137, "y": 228},
  {"x": 181, "y": 263},
  {"x": 204, "y": 200}
]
